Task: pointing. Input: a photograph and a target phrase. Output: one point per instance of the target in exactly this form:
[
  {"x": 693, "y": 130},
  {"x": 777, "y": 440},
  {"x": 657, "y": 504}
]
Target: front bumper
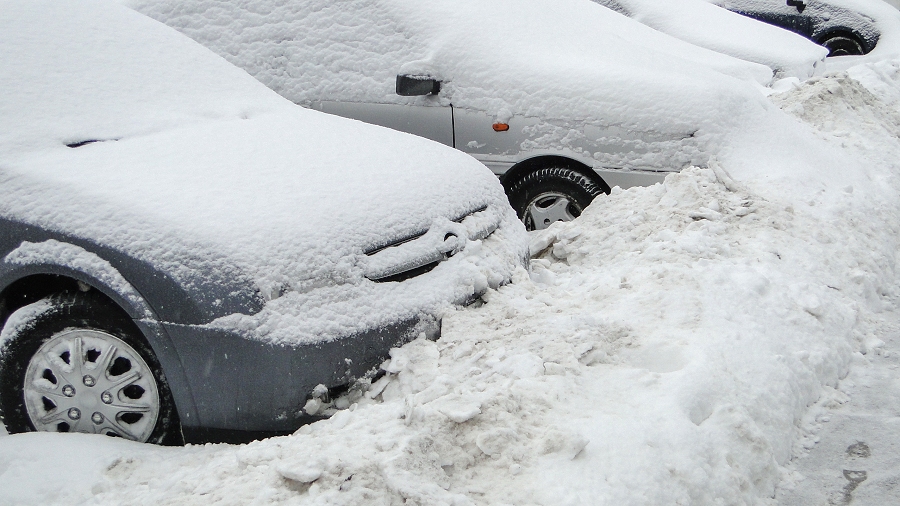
[
  {"x": 255, "y": 373},
  {"x": 245, "y": 385}
]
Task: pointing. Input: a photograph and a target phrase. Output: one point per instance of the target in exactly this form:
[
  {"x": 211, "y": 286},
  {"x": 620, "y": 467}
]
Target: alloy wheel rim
[
  {"x": 88, "y": 381},
  {"x": 548, "y": 208}
]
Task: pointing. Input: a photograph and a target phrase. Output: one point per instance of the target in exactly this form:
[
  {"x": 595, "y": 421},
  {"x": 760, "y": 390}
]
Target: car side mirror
[
  {"x": 414, "y": 86},
  {"x": 799, "y": 4}
]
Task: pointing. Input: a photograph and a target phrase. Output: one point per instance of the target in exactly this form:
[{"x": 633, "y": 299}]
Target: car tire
[
  {"x": 841, "y": 44},
  {"x": 552, "y": 194},
  {"x": 114, "y": 386}
]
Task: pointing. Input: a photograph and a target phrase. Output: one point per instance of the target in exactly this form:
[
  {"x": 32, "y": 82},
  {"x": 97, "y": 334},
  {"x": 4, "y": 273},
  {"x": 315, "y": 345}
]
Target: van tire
[{"x": 552, "y": 194}]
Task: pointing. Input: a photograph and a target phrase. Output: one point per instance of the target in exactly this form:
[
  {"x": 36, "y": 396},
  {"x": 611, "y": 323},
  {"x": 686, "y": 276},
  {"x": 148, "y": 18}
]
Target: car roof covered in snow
[{"x": 567, "y": 60}]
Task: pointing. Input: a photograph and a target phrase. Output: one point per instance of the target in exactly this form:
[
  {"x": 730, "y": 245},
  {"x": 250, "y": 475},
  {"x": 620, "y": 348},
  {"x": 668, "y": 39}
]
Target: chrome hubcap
[
  {"x": 548, "y": 208},
  {"x": 119, "y": 392}
]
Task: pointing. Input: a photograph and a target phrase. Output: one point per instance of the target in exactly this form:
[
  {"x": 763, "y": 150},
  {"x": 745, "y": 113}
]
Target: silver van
[{"x": 562, "y": 100}]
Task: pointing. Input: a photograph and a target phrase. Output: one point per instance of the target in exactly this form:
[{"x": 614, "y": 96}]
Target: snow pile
[
  {"x": 709, "y": 26},
  {"x": 663, "y": 351},
  {"x": 850, "y": 455}
]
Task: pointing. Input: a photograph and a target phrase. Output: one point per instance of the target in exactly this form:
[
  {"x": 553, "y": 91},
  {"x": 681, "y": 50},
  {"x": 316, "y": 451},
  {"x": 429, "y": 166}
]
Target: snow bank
[
  {"x": 663, "y": 351},
  {"x": 709, "y": 26},
  {"x": 23, "y": 477}
]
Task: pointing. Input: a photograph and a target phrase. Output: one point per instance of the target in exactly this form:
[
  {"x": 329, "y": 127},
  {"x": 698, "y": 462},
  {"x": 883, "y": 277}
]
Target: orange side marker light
[{"x": 500, "y": 127}]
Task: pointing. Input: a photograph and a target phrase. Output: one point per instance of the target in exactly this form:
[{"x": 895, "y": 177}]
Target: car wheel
[
  {"x": 842, "y": 45},
  {"x": 73, "y": 363},
  {"x": 552, "y": 194}
]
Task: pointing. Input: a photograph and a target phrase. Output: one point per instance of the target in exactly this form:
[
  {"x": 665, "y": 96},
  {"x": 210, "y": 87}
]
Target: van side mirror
[{"x": 414, "y": 86}]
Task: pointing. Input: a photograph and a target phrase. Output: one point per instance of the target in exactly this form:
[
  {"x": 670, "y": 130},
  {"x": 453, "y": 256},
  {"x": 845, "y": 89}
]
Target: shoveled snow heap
[{"x": 664, "y": 350}]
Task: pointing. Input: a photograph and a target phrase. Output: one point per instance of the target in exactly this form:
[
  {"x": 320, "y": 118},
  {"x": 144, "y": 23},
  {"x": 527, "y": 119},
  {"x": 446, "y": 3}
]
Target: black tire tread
[
  {"x": 582, "y": 188},
  {"x": 857, "y": 41},
  {"x": 76, "y": 310}
]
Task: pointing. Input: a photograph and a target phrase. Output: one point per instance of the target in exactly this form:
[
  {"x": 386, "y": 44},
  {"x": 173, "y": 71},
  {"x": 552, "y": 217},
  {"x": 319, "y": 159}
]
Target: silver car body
[
  {"x": 609, "y": 98},
  {"x": 471, "y": 131}
]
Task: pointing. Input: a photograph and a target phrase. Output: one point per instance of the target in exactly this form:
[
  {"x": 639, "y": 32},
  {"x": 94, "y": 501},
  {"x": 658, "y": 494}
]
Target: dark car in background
[{"x": 840, "y": 28}]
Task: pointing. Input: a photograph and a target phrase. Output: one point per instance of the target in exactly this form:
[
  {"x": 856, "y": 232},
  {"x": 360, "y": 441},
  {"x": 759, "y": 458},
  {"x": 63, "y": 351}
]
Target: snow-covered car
[
  {"x": 184, "y": 253},
  {"x": 706, "y": 25},
  {"x": 845, "y": 27},
  {"x": 563, "y": 100}
]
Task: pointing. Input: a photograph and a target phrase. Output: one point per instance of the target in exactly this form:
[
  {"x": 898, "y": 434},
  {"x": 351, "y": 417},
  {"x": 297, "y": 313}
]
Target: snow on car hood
[
  {"x": 198, "y": 168},
  {"x": 706, "y": 25},
  {"x": 570, "y": 61},
  {"x": 264, "y": 188},
  {"x": 91, "y": 70}
]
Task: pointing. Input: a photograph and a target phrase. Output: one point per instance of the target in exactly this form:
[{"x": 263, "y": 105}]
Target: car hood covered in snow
[
  {"x": 200, "y": 170},
  {"x": 570, "y": 63}
]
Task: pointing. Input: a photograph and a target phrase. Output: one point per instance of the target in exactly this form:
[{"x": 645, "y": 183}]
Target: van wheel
[
  {"x": 552, "y": 194},
  {"x": 72, "y": 363}
]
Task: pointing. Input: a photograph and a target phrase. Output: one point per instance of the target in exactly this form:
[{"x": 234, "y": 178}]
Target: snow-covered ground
[
  {"x": 853, "y": 456},
  {"x": 677, "y": 344}
]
